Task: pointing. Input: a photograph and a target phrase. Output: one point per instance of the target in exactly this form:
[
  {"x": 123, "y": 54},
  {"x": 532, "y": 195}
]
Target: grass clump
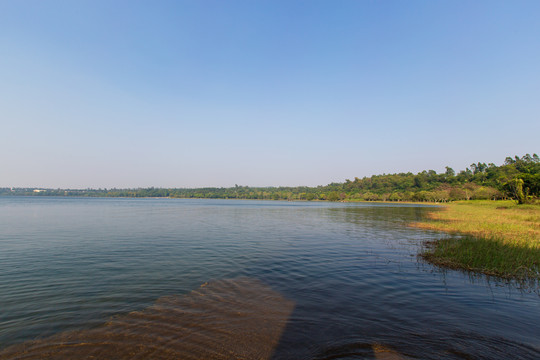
[{"x": 500, "y": 238}]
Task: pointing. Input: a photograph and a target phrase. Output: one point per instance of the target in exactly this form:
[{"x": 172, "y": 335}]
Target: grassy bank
[{"x": 501, "y": 238}]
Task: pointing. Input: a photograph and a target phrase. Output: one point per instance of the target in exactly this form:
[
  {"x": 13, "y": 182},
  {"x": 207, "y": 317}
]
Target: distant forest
[{"x": 517, "y": 178}]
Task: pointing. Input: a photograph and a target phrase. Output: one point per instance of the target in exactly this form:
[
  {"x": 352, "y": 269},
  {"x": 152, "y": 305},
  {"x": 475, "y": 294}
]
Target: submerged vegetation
[
  {"x": 499, "y": 238},
  {"x": 517, "y": 178}
]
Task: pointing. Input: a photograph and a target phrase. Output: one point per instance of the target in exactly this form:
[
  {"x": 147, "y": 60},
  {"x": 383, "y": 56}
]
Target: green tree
[{"x": 333, "y": 196}]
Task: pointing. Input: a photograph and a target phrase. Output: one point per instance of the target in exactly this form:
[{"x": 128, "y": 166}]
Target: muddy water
[{"x": 210, "y": 279}]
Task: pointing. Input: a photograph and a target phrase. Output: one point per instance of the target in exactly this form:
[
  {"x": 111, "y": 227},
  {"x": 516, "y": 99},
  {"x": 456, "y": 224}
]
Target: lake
[{"x": 179, "y": 278}]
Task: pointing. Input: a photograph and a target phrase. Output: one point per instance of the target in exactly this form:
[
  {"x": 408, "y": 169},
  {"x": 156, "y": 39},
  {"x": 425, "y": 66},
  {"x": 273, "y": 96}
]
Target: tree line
[{"x": 517, "y": 178}]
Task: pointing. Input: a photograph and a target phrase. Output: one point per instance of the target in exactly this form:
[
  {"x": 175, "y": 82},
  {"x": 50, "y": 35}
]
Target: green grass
[{"x": 501, "y": 238}]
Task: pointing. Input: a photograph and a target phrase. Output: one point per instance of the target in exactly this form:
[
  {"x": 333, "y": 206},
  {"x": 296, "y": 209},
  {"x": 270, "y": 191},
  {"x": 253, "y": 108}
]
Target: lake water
[{"x": 175, "y": 278}]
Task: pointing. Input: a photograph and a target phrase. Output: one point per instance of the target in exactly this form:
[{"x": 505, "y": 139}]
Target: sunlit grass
[{"x": 503, "y": 238}]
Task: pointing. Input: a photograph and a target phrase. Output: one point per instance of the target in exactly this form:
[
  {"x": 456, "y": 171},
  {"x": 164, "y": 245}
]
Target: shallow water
[{"x": 327, "y": 281}]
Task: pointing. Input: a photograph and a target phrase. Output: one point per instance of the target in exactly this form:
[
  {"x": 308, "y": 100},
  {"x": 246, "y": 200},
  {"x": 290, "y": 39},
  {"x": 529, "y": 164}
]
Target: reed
[{"x": 500, "y": 238}]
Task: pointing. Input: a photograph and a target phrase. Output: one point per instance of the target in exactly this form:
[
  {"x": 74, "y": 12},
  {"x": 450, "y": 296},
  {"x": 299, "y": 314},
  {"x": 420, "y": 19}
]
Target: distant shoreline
[
  {"x": 518, "y": 178},
  {"x": 243, "y": 199}
]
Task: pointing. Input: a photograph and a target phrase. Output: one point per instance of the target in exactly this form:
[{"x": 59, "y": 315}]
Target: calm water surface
[{"x": 290, "y": 280}]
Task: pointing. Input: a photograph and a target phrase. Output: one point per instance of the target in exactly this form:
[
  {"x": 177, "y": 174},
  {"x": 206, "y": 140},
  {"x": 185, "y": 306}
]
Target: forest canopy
[{"x": 517, "y": 178}]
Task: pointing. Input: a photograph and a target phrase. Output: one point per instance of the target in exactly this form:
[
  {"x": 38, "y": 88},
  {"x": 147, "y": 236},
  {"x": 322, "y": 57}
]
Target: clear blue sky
[{"x": 262, "y": 93}]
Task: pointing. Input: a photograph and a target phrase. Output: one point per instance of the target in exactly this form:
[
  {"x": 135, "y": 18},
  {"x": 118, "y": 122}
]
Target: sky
[{"x": 128, "y": 94}]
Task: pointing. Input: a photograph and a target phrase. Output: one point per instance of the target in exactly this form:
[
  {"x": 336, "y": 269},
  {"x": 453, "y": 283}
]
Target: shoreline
[
  {"x": 431, "y": 203},
  {"x": 498, "y": 238}
]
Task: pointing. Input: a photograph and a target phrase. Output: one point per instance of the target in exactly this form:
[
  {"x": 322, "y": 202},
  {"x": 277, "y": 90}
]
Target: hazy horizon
[
  {"x": 215, "y": 186},
  {"x": 186, "y": 94}
]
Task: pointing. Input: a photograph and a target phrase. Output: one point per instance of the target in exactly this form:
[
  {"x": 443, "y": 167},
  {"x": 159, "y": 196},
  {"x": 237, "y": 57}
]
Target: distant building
[{"x": 39, "y": 190}]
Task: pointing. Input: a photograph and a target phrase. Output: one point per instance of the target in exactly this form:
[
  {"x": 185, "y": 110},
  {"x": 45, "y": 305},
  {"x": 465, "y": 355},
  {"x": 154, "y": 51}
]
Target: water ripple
[{"x": 69, "y": 266}]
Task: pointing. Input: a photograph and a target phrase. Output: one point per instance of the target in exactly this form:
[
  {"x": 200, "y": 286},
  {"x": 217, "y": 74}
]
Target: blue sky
[{"x": 262, "y": 93}]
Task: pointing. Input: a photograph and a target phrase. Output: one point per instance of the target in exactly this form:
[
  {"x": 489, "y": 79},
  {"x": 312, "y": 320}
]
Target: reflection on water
[
  {"x": 227, "y": 319},
  {"x": 312, "y": 281}
]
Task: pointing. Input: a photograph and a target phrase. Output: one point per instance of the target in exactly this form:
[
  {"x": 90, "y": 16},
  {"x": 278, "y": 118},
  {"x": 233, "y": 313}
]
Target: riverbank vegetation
[
  {"x": 499, "y": 238},
  {"x": 517, "y": 178}
]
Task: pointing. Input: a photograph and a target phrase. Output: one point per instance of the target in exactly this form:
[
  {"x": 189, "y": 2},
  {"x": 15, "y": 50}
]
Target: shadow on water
[
  {"x": 238, "y": 318},
  {"x": 227, "y": 319},
  {"x": 243, "y": 318}
]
